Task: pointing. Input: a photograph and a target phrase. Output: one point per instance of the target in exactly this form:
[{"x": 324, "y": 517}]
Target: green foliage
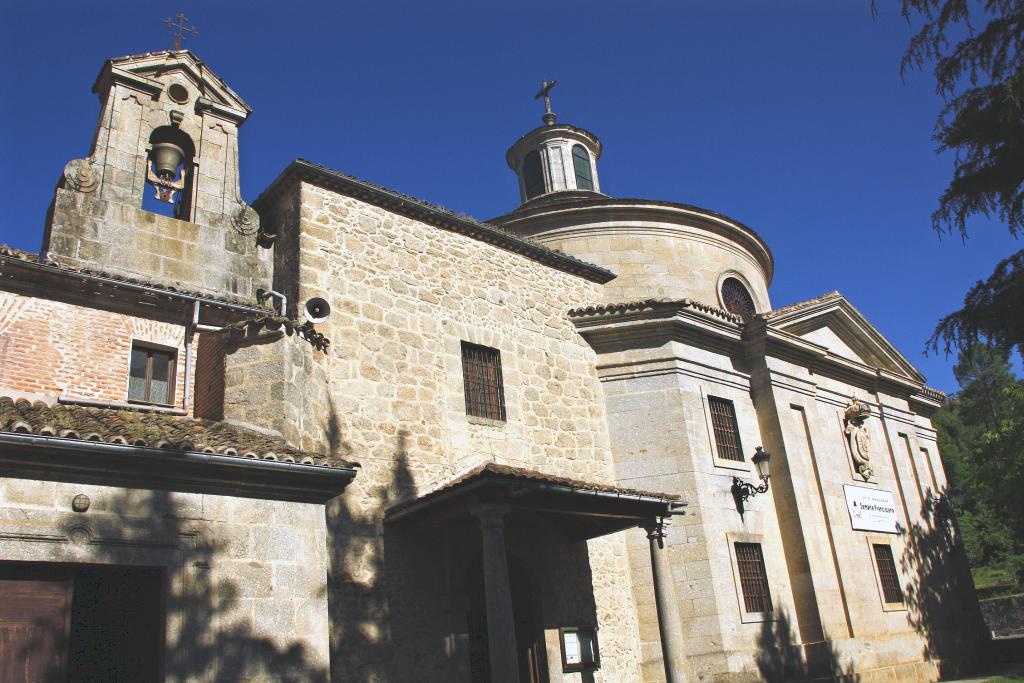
[
  {"x": 976, "y": 48},
  {"x": 992, "y": 311},
  {"x": 981, "y": 77},
  {"x": 981, "y": 431}
]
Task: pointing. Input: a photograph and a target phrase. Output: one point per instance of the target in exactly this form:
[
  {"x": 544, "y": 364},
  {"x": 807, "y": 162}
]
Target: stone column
[
  {"x": 501, "y": 627},
  {"x": 670, "y": 627}
]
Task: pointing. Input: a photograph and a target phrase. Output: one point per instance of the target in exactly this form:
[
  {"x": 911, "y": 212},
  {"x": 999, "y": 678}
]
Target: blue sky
[{"x": 789, "y": 116}]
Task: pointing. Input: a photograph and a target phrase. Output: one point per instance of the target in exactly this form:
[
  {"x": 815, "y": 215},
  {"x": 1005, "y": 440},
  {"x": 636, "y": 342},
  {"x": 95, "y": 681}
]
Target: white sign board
[{"x": 871, "y": 509}]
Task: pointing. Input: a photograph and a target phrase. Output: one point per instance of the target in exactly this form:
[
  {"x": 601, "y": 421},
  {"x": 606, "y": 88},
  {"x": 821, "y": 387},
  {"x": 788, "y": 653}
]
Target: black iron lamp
[{"x": 742, "y": 490}]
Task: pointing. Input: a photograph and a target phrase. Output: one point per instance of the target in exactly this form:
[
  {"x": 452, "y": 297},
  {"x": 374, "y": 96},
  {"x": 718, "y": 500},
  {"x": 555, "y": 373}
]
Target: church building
[{"x": 340, "y": 433}]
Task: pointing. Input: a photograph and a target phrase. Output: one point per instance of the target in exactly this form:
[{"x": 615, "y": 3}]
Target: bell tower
[
  {"x": 167, "y": 137},
  {"x": 556, "y": 160}
]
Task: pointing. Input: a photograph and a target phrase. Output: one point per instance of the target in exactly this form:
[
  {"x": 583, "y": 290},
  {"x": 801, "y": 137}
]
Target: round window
[
  {"x": 178, "y": 93},
  {"x": 737, "y": 299}
]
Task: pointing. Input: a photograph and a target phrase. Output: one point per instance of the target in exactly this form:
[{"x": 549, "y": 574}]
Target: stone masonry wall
[
  {"x": 404, "y": 295},
  {"x": 245, "y": 578},
  {"x": 50, "y": 348}
]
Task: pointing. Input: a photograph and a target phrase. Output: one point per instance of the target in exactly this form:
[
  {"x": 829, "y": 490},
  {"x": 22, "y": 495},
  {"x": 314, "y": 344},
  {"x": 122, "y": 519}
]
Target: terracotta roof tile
[
  {"x": 507, "y": 472},
  {"x": 628, "y": 306},
  {"x": 798, "y": 305},
  {"x": 151, "y": 430}
]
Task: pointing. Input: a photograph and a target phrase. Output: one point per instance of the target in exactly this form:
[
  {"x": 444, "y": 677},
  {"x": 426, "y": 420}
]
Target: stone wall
[
  {"x": 50, "y": 348},
  {"x": 404, "y": 295},
  {"x": 1004, "y": 616},
  {"x": 656, "y": 249},
  {"x": 96, "y": 220},
  {"x": 245, "y": 578}
]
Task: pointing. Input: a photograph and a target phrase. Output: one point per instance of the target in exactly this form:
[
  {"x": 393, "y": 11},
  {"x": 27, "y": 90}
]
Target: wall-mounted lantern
[
  {"x": 579, "y": 649},
  {"x": 742, "y": 490}
]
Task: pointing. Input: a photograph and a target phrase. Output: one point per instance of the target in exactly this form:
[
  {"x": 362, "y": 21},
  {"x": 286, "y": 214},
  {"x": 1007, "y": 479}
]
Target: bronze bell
[{"x": 167, "y": 157}]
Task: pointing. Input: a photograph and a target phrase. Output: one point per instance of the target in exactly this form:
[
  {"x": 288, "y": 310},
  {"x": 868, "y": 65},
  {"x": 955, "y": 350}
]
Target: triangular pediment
[
  {"x": 154, "y": 65},
  {"x": 834, "y": 323}
]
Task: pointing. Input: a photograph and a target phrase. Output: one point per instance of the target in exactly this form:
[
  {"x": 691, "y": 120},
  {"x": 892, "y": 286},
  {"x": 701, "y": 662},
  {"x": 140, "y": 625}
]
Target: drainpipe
[
  {"x": 265, "y": 294},
  {"x": 190, "y": 332}
]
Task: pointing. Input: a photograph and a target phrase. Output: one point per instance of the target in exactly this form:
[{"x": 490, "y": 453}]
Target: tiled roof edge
[
  {"x": 645, "y": 304},
  {"x": 439, "y": 216}
]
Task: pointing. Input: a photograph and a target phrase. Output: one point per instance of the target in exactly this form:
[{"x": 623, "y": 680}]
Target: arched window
[
  {"x": 169, "y": 173},
  {"x": 533, "y": 175},
  {"x": 737, "y": 299},
  {"x": 581, "y": 164}
]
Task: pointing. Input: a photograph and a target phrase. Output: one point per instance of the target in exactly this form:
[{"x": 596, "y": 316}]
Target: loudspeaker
[{"x": 317, "y": 310}]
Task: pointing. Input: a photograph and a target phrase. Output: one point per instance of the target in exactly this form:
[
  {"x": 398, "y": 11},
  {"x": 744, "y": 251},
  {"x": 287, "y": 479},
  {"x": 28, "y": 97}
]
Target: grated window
[
  {"x": 887, "y": 573},
  {"x": 481, "y": 375},
  {"x": 727, "y": 432},
  {"x": 753, "y": 580}
]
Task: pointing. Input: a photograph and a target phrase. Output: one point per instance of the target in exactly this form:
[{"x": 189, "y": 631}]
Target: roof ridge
[{"x": 146, "y": 429}]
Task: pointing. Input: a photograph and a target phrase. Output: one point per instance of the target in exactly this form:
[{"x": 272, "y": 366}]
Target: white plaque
[
  {"x": 572, "y": 648},
  {"x": 871, "y": 509}
]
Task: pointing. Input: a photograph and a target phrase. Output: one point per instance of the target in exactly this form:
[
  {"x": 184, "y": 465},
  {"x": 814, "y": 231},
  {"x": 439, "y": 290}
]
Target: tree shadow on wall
[
  {"x": 941, "y": 601},
  {"x": 780, "y": 659},
  {"x": 362, "y": 646},
  {"x": 209, "y": 619}
]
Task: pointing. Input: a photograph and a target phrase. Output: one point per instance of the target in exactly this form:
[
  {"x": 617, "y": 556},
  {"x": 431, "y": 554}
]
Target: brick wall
[{"x": 50, "y": 349}]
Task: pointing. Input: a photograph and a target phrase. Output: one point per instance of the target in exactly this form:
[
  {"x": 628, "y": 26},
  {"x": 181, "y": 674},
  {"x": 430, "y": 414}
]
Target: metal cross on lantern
[
  {"x": 183, "y": 30},
  {"x": 545, "y": 92}
]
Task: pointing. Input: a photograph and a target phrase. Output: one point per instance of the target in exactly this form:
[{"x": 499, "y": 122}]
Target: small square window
[
  {"x": 151, "y": 375},
  {"x": 727, "y": 432},
  {"x": 481, "y": 375},
  {"x": 753, "y": 579},
  {"x": 887, "y": 576}
]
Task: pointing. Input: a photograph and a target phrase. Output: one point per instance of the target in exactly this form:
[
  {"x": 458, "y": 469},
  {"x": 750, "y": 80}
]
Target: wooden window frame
[
  {"x": 172, "y": 373},
  {"x": 887, "y": 606},
  {"x": 483, "y": 388},
  {"x": 750, "y": 617}
]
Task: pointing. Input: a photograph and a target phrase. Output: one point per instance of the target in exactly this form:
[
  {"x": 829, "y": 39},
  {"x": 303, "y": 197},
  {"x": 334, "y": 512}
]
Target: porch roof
[{"x": 583, "y": 510}]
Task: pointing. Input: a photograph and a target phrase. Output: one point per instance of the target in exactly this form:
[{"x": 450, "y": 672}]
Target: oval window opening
[{"x": 737, "y": 299}]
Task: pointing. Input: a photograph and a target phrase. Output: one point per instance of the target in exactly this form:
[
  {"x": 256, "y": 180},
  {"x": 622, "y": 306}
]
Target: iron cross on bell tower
[
  {"x": 183, "y": 30},
  {"x": 545, "y": 92}
]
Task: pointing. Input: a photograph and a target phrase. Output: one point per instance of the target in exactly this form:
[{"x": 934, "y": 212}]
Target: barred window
[
  {"x": 151, "y": 375},
  {"x": 753, "y": 579},
  {"x": 727, "y": 432},
  {"x": 887, "y": 573},
  {"x": 481, "y": 376}
]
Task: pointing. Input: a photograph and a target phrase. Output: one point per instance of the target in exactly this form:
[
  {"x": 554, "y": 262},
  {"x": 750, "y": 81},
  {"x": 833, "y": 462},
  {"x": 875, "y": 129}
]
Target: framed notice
[
  {"x": 579, "y": 648},
  {"x": 871, "y": 509}
]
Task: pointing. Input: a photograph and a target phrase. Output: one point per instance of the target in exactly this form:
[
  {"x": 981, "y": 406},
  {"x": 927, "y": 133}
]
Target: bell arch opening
[{"x": 169, "y": 173}]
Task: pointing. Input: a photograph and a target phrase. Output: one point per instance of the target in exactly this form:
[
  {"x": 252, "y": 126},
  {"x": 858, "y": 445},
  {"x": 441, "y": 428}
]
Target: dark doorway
[
  {"x": 80, "y": 623},
  {"x": 527, "y": 603}
]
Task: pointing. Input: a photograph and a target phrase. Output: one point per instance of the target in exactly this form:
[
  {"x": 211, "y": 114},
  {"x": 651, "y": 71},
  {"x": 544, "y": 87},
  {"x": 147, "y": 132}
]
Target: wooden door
[{"x": 35, "y": 617}]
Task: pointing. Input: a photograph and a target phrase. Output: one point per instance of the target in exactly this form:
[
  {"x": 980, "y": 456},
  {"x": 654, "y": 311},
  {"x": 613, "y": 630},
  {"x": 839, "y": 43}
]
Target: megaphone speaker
[{"x": 317, "y": 310}]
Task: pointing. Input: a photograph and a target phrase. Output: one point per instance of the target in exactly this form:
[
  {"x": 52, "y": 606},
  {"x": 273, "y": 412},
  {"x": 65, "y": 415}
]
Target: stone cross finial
[
  {"x": 182, "y": 28},
  {"x": 545, "y": 92}
]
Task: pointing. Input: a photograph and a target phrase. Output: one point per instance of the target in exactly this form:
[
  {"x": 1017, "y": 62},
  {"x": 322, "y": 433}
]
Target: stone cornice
[
  {"x": 606, "y": 327},
  {"x": 301, "y": 170},
  {"x": 581, "y": 212},
  {"x": 130, "y": 70},
  {"x": 765, "y": 340}
]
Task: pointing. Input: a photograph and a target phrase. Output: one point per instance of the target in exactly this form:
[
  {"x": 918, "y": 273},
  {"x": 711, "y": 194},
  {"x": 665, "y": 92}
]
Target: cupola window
[
  {"x": 533, "y": 175},
  {"x": 581, "y": 164},
  {"x": 737, "y": 299}
]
